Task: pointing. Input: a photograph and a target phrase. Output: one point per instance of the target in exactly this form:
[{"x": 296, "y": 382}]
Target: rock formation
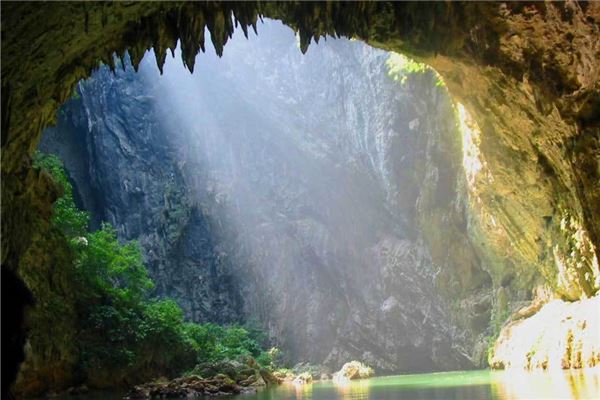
[
  {"x": 353, "y": 370},
  {"x": 570, "y": 341}
]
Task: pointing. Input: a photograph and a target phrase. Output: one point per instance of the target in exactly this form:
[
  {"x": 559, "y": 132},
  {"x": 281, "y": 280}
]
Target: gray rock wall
[{"x": 286, "y": 189}]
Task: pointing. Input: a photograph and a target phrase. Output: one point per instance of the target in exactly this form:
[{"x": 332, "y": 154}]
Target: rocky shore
[
  {"x": 188, "y": 386},
  {"x": 233, "y": 377}
]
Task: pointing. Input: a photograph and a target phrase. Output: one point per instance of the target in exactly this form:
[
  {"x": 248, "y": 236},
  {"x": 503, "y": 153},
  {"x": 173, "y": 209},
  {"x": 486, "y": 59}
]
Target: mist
[
  {"x": 300, "y": 177},
  {"x": 295, "y": 149}
]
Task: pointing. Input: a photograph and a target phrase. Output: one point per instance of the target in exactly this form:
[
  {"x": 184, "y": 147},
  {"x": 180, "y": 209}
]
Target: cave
[{"x": 489, "y": 209}]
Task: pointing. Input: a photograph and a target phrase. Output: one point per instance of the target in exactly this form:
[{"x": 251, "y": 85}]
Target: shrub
[
  {"x": 66, "y": 216},
  {"x": 272, "y": 358},
  {"x": 122, "y": 330},
  {"x": 124, "y": 334}
]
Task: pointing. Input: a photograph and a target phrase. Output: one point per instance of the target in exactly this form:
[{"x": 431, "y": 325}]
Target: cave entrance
[
  {"x": 282, "y": 190},
  {"x": 532, "y": 89}
]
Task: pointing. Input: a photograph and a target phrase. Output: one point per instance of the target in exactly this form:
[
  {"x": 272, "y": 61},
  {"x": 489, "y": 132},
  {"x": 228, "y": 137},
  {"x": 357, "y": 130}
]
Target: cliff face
[
  {"x": 292, "y": 197},
  {"x": 125, "y": 170}
]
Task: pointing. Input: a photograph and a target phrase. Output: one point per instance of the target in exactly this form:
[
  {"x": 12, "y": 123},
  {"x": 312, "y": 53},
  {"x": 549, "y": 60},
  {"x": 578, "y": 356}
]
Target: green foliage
[
  {"x": 499, "y": 318},
  {"x": 122, "y": 328},
  {"x": 236, "y": 341},
  {"x": 176, "y": 213},
  {"x": 400, "y": 68},
  {"x": 123, "y": 333},
  {"x": 272, "y": 358},
  {"x": 217, "y": 343},
  {"x": 75, "y": 93},
  {"x": 108, "y": 268},
  {"x": 399, "y": 64},
  {"x": 67, "y": 217}
]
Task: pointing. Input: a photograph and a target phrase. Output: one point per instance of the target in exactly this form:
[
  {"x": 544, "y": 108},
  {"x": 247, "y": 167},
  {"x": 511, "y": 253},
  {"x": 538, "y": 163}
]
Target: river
[{"x": 463, "y": 385}]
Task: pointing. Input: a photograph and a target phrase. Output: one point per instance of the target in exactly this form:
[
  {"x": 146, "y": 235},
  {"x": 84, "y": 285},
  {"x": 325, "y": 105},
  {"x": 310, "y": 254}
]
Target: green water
[
  {"x": 463, "y": 385},
  {"x": 448, "y": 386}
]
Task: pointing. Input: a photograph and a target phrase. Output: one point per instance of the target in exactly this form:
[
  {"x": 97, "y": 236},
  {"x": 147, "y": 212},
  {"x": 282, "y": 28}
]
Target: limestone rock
[
  {"x": 560, "y": 335},
  {"x": 353, "y": 370}
]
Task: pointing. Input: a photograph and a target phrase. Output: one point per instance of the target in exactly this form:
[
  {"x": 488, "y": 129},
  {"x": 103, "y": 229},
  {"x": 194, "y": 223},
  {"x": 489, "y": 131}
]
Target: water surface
[
  {"x": 463, "y": 385},
  {"x": 499, "y": 385}
]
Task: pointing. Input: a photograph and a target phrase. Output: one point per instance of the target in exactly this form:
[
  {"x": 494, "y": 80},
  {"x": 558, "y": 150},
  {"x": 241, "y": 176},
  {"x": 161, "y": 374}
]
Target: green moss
[
  {"x": 66, "y": 216},
  {"x": 401, "y": 67},
  {"x": 176, "y": 212},
  {"x": 500, "y": 316}
]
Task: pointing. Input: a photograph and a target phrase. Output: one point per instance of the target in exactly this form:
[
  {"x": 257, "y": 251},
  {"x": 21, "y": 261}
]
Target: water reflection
[
  {"x": 303, "y": 391},
  {"x": 497, "y": 385},
  {"x": 558, "y": 384},
  {"x": 462, "y": 385},
  {"x": 357, "y": 390}
]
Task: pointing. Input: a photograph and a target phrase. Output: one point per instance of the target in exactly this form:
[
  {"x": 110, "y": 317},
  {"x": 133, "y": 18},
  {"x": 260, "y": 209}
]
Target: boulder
[
  {"x": 249, "y": 381},
  {"x": 258, "y": 381},
  {"x": 280, "y": 375},
  {"x": 230, "y": 368},
  {"x": 269, "y": 377},
  {"x": 303, "y": 379},
  {"x": 353, "y": 370}
]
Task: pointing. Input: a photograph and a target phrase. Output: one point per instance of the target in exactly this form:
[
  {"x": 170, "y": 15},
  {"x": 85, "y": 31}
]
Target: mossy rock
[{"x": 229, "y": 368}]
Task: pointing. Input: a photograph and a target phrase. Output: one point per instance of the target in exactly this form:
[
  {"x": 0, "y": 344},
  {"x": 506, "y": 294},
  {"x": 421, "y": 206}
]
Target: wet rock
[
  {"x": 245, "y": 373},
  {"x": 258, "y": 381},
  {"x": 279, "y": 374},
  {"x": 187, "y": 387},
  {"x": 251, "y": 380}
]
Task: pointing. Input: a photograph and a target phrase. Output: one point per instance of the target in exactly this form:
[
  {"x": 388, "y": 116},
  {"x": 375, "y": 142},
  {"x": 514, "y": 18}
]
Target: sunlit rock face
[
  {"x": 533, "y": 189},
  {"x": 561, "y": 335},
  {"x": 282, "y": 188}
]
